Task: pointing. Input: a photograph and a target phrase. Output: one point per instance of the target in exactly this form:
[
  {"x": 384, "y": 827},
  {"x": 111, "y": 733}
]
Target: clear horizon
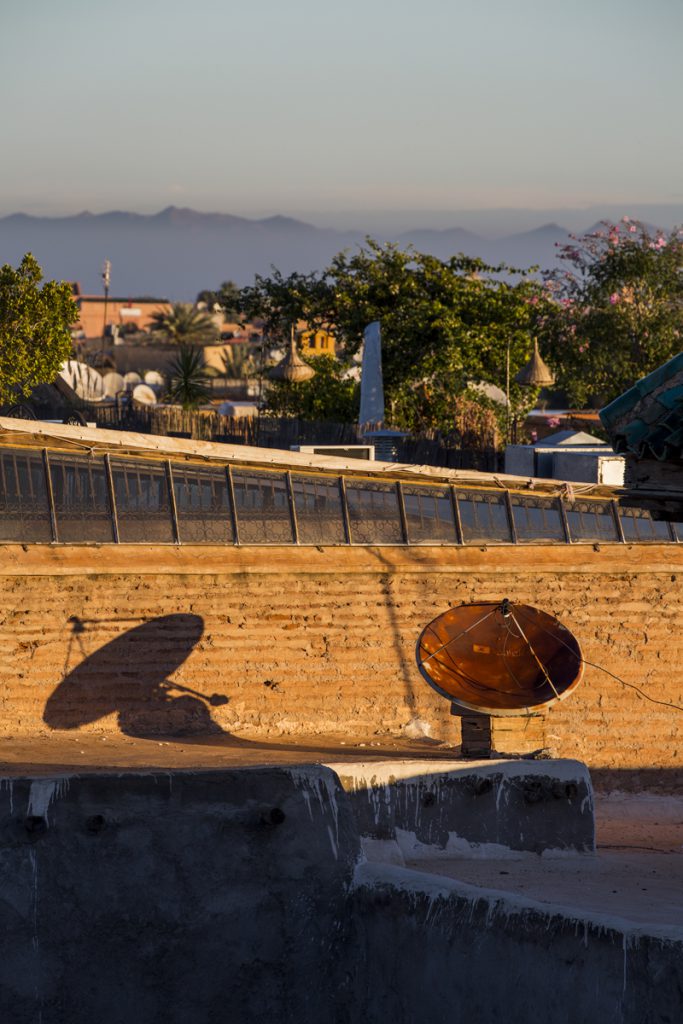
[{"x": 317, "y": 113}]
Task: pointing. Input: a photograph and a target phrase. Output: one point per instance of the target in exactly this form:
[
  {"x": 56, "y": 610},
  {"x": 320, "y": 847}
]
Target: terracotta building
[{"x": 93, "y": 320}]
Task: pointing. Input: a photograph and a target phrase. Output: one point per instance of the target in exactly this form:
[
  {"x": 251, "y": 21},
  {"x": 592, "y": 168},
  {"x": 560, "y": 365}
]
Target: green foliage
[
  {"x": 329, "y": 395},
  {"x": 34, "y": 328},
  {"x": 227, "y": 297},
  {"x": 182, "y": 324},
  {"x": 619, "y": 309},
  {"x": 445, "y": 324},
  {"x": 282, "y": 301},
  {"x": 238, "y": 361},
  {"x": 189, "y": 384}
]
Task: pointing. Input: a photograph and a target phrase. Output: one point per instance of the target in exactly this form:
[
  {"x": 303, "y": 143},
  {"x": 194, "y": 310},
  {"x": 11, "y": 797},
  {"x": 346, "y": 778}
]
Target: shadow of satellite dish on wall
[{"x": 129, "y": 676}]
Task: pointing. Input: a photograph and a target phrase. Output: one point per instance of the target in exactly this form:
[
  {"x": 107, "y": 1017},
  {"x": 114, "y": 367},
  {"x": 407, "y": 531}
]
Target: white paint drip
[
  {"x": 42, "y": 793},
  {"x": 456, "y": 846},
  {"x": 9, "y": 785},
  {"x": 333, "y": 844},
  {"x": 322, "y": 784},
  {"x": 419, "y": 886}
]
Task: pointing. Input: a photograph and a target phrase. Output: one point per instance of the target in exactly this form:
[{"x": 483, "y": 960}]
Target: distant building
[
  {"x": 570, "y": 455},
  {"x": 317, "y": 343},
  {"x": 120, "y": 313}
]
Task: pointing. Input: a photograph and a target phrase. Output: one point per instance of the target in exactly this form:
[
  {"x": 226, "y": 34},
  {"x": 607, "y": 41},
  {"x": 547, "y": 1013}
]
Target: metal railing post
[
  {"x": 345, "y": 510},
  {"x": 292, "y": 507},
  {"x": 617, "y": 522},
  {"x": 50, "y": 496},
  {"x": 233, "y": 505},
  {"x": 171, "y": 497},
  {"x": 511, "y": 517},
  {"x": 112, "y": 499},
  {"x": 459, "y": 539},
  {"x": 565, "y": 521},
  {"x": 402, "y": 512}
]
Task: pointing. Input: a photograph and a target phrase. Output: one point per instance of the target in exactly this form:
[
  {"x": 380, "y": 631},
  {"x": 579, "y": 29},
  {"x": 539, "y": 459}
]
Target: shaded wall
[
  {"x": 175, "y": 898},
  {"x": 239, "y": 896},
  {"x": 321, "y": 642}
]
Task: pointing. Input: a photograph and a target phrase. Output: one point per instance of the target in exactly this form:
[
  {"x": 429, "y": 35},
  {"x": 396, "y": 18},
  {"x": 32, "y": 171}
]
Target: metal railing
[{"x": 56, "y": 497}]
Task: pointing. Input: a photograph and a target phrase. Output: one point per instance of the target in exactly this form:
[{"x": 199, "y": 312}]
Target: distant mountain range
[{"x": 176, "y": 253}]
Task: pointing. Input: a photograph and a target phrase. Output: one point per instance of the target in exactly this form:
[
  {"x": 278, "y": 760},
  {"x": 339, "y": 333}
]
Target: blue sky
[{"x": 307, "y": 107}]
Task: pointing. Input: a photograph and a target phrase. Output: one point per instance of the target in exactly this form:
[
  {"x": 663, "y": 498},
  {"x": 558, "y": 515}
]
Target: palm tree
[
  {"x": 184, "y": 325},
  {"x": 238, "y": 362},
  {"x": 189, "y": 384}
]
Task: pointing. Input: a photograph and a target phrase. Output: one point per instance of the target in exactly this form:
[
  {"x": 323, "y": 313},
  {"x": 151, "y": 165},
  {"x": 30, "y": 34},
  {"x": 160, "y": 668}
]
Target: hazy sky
[{"x": 263, "y": 106}]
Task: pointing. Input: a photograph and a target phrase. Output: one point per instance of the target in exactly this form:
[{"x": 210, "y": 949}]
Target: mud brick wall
[{"x": 317, "y": 642}]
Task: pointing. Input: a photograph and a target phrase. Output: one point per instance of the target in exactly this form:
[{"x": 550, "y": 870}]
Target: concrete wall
[
  {"x": 411, "y": 810},
  {"x": 240, "y": 896},
  {"x": 441, "y": 951},
  {"x": 321, "y": 642},
  {"x": 176, "y": 898}
]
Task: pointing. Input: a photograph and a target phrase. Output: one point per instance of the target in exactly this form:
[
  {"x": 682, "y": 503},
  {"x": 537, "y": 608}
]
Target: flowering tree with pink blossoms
[{"x": 619, "y": 302}]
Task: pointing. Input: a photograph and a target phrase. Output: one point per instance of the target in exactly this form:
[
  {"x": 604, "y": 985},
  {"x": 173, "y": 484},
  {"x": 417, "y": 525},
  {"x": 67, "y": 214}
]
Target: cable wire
[{"x": 631, "y": 686}]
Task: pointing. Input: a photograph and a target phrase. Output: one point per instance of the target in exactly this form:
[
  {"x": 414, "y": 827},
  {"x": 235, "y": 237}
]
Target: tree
[
  {"x": 619, "y": 309},
  {"x": 184, "y": 325},
  {"x": 238, "y": 361},
  {"x": 34, "y": 328},
  {"x": 445, "y": 324},
  {"x": 227, "y": 297},
  {"x": 329, "y": 395},
  {"x": 189, "y": 384}
]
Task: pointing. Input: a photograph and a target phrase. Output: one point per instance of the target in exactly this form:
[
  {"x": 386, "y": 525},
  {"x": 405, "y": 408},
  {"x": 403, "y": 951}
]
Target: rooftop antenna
[{"x": 106, "y": 278}]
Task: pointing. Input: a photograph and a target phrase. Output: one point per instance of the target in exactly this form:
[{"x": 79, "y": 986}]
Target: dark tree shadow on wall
[{"x": 129, "y": 676}]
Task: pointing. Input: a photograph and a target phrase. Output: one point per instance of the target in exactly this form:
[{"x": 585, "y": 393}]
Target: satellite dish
[
  {"x": 113, "y": 384},
  {"x": 131, "y": 379},
  {"x": 154, "y": 379},
  {"x": 84, "y": 380},
  {"x": 491, "y": 391},
  {"x": 499, "y": 658},
  {"x": 143, "y": 394}
]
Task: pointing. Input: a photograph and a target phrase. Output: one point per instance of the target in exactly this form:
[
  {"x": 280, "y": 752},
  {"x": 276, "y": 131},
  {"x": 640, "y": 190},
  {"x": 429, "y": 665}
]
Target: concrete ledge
[
  {"x": 413, "y": 809},
  {"x": 209, "y": 560},
  {"x": 441, "y": 950}
]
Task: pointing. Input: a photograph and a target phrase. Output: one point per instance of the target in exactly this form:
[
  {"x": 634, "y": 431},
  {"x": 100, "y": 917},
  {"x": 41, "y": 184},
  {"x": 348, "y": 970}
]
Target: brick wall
[{"x": 311, "y": 641}]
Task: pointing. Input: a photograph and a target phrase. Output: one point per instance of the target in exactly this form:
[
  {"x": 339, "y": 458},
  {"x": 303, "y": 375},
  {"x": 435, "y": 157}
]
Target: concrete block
[{"x": 447, "y": 808}]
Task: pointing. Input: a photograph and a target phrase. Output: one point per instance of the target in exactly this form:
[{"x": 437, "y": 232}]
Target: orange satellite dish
[{"x": 500, "y": 658}]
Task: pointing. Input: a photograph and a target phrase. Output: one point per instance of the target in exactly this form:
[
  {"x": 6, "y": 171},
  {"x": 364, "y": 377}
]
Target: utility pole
[
  {"x": 507, "y": 393},
  {"x": 106, "y": 278}
]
